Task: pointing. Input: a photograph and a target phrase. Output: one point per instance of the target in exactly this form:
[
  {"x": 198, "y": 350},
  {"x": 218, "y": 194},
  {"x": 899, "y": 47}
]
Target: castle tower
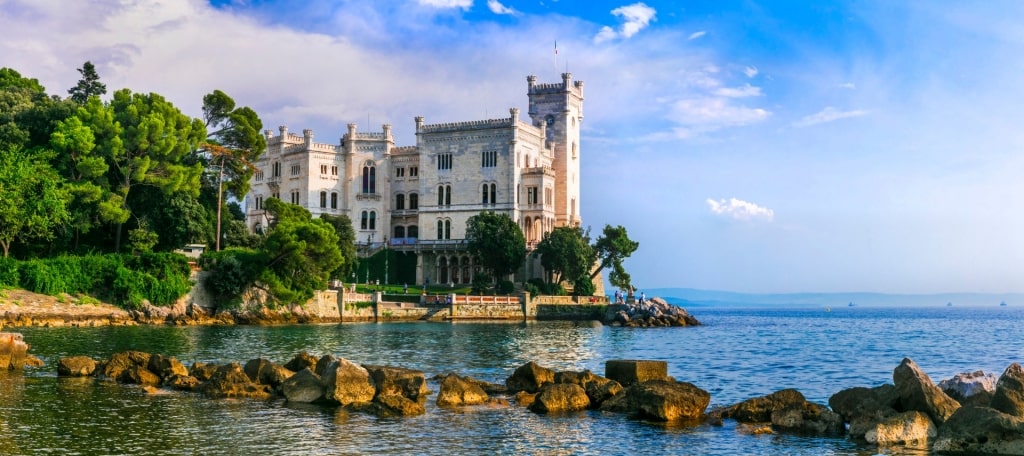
[{"x": 559, "y": 109}]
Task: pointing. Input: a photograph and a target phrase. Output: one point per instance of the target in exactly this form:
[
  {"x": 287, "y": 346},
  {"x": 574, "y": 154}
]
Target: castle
[{"x": 418, "y": 198}]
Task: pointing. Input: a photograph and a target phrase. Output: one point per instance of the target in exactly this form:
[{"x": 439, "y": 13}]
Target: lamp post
[{"x": 385, "y": 261}]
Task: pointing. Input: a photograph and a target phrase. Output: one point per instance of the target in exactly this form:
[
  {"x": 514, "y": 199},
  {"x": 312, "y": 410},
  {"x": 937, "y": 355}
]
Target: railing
[
  {"x": 470, "y": 299},
  {"x": 368, "y": 197}
]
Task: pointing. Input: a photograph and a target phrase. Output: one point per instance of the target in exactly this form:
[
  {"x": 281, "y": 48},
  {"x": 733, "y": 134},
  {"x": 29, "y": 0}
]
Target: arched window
[
  {"x": 323, "y": 199},
  {"x": 413, "y": 232},
  {"x": 574, "y": 149},
  {"x": 364, "y": 220},
  {"x": 369, "y": 178},
  {"x": 334, "y": 200},
  {"x": 440, "y": 195},
  {"x": 494, "y": 193},
  {"x": 373, "y": 220},
  {"x": 399, "y": 232},
  {"x": 447, "y": 195},
  {"x": 440, "y": 229},
  {"x": 399, "y": 202},
  {"x": 447, "y": 229},
  {"x": 486, "y": 188},
  {"x": 414, "y": 201}
]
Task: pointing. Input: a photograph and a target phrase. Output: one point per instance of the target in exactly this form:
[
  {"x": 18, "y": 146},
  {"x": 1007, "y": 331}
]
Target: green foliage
[
  {"x": 347, "y": 245},
  {"x": 481, "y": 283},
  {"x": 497, "y": 241},
  {"x": 89, "y": 86},
  {"x": 9, "y": 276},
  {"x": 612, "y": 247},
  {"x": 142, "y": 239},
  {"x": 505, "y": 287},
  {"x": 566, "y": 253},
  {"x": 32, "y": 204},
  {"x": 11, "y": 78},
  {"x": 302, "y": 254},
  {"x": 231, "y": 271},
  {"x": 583, "y": 286}
]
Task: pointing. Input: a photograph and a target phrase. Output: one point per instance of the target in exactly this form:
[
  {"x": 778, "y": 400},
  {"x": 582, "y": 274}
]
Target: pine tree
[{"x": 88, "y": 86}]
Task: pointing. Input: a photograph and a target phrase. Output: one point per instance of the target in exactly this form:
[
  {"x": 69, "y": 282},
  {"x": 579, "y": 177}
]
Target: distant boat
[
  {"x": 949, "y": 304},
  {"x": 1002, "y": 304},
  {"x": 851, "y": 304}
]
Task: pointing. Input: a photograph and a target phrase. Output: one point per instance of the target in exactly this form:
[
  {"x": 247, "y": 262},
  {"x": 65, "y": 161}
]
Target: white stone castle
[{"x": 418, "y": 198}]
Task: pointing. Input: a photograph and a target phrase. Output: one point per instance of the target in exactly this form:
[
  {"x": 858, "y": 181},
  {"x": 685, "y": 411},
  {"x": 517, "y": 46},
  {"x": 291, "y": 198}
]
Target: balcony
[{"x": 368, "y": 197}]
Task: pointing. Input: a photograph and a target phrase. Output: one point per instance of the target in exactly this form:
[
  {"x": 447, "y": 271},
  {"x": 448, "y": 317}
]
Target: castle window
[
  {"x": 334, "y": 200},
  {"x": 413, "y": 231},
  {"x": 276, "y": 169},
  {"x": 295, "y": 197},
  {"x": 444, "y": 195},
  {"x": 485, "y": 195},
  {"x": 444, "y": 161},
  {"x": 414, "y": 171},
  {"x": 334, "y": 170},
  {"x": 259, "y": 175},
  {"x": 373, "y": 220},
  {"x": 399, "y": 232},
  {"x": 364, "y": 218},
  {"x": 259, "y": 203},
  {"x": 399, "y": 172},
  {"x": 489, "y": 159},
  {"x": 444, "y": 229},
  {"x": 574, "y": 149},
  {"x": 323, "y": 169},
  {"x": 276, "y": 195},
  {"x": 400, "y": 202},
  {"x": 548, "y": 197},
  {"x": 414, "y": 201},
  {"x": 296, "y": 169},
  {"x": 440, "y": 229},
  {"x": 531, "y": 195},
  {"x": 369, "y": 178},
  {"x": 323, "y": 199}
]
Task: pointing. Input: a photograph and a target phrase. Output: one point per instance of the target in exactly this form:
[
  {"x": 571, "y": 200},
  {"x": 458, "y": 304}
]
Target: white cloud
[
  {"x": 739, "y": 92},
  {"x": 829, "y": 114},
  {"x": 750, "y": 71},
  {"x": 740, "y": 210},
  {"x": 847, "y": 85},
  {"x": 636, "y": 16},
  {"x": 710, "y": 113},
  {"x": 464, "y": 4},
  {"x": 696, "y": 35},
  {"x": 497, "y": 8}
]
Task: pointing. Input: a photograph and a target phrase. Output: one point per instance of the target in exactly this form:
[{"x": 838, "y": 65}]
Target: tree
[
  {"x": 32, "y": 204},
  {"x": 147, "y": 144},
  {"x": 614, "y": 246},
  {"x": 234, "y": 144},
  {"x": 89, "y": 86},
  {"x": 346, "y": 243},
  {"x": 301, "y": 252},
  {"x": 566, "y": 253},
  {"x": 497, "y": 242}
]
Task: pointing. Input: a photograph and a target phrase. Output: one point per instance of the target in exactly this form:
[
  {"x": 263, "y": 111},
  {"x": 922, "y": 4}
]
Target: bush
[
  {"x": 9, "y": 276},
  {"x": 481, "y": 283},
  {"x": 505, "y": 287},
  {"x": 231, "y": 272}
]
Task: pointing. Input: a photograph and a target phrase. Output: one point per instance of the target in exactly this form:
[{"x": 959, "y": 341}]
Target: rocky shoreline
[{"x": 972, "y": 413}]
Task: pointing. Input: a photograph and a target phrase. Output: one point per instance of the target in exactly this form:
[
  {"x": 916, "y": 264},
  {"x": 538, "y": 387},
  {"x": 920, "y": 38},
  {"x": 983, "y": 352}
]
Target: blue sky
[{"x": 749, "y": 146}]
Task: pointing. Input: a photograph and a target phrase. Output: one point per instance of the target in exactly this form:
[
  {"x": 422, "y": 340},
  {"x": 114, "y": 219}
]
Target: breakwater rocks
[
  {"x": 14, "y": 353},
  {"x": 654, "y": 312}
]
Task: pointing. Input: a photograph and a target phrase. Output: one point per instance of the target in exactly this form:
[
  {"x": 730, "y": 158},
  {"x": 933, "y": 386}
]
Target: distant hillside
[{"x": 694, "y": 297}]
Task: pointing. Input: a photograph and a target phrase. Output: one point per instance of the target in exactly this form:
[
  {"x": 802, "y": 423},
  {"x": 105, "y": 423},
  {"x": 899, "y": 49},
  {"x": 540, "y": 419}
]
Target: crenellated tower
[{"x": 558, "y": 109}]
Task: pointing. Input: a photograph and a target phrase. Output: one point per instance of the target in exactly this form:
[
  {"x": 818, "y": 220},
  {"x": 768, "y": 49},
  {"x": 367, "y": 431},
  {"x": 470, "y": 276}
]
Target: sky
[{"x": 752, "y": 146}]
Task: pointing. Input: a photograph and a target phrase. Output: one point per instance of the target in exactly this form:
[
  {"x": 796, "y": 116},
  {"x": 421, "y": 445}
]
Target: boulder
[
  {"x": 980, "y": 430},
  {"x": 530, "y": 377},
  {"x": 561, "y": 397},
  {"x": 32, "y": 361},
  {"x": 13, "y": 351},
  {"x": 1009, "y": 395},
  {"x": 628, "y": 372},
  {"x": 347, "y": 383},
  {"x": 165, "y": 367},
  {"x": 230, "y": 380},
  {"x": 488, "y": 387},
  {"x": 908, "y": 428},
  {"x": 760, "y": 409},
  {"x": 661, "y": 400},
  {"x": 76, "y": 366},
  {"x": 525, "y": 399},
  {"x": 917, "y": 392},
  {"x": 970, "y": 387},
  {"x": 597, "y": 387},
  {"x": 203, "y": 371},
  {"x": 393, "y": 405},
  {"x": 808, "y": 418},
  {"x": 253, "y": 366},
  {"x": 266, "y": 372},
  {"x": 181, "y": 382},
  {"x": 323, "y": 363},
  {"x": 304, "y": 387},
  {"x": 138, "y": 375},
  {"x": 863, "y": 407},
  {"x": 398, "y": 381},
  {"x": 456, "y": 391},
  {"x": 120, "y": 362},
  {"x": 301, "y": 361}
]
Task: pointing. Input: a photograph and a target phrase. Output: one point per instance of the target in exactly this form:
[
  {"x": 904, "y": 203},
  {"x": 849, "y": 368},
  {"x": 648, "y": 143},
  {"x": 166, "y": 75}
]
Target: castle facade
[{"x": 419, "y": 198}]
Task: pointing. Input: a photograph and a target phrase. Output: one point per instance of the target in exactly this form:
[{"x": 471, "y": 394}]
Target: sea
[{"x": 737, "y": 353}]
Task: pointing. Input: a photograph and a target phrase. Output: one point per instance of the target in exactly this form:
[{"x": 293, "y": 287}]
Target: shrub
[
  {"x": 9, "y": 272},
  {"x": 505, "y": 287}
]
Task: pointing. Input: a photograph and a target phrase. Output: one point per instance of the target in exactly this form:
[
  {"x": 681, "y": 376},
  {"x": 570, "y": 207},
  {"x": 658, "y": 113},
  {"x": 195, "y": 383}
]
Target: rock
[
  {"x": 488, "y": 387},
  {"x": 323, "y": 363},
  {"x": 120, "y": 362},
  {"x": 525, "y": 399},
  {"x": 138, "y": 375},
  {"x": 808, "y": 418},
  {"x": 456, "y": 391},
  {"x": 181, "y": 382},
  {"x": 661, "y": 400},
  {"x": 655, "y": 312},
  {"x": 76, "y": 366},
  {"x": 13, "y": 351},
  {"x": 530, "y": 377},
  {"x": 301, "y": 361},
  {"x": 203, "y": 371},
  {"x": 230, "y": 380},
  {"x": 598, "y": 388},
  {"x": 396, "y": 405},
  {"x": 346, "y": 383},
  {"x": 253, "y": 366},
  {"x": 967, "y": 385},
  {"x": 760, "y": 409},
  {"x": 917, "y": 392},
  {"x": 398, "y": 381},
  {"x": 1009, "y": 395},
  {"x": 980, "y": 430},
  {"x": 561, "y": 397},
  {"x": 32, "y": 361},
  {"x": 266, "y": 372},
  {"x": 165, "y": 367},
  {"x": 304, "y": 387},
  {"x": 907, "y": 428},
  {"x": 628, "y": 372},
  {"x": 863, "y": 407}
]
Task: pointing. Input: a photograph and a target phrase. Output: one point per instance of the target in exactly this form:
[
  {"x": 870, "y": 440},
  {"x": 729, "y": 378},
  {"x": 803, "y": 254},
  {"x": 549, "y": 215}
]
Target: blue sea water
[{"x": 737, "y": 354}]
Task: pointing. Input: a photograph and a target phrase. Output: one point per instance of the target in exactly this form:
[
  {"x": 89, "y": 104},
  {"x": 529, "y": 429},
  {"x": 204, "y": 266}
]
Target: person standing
[{"x": 642, "y": 298}]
